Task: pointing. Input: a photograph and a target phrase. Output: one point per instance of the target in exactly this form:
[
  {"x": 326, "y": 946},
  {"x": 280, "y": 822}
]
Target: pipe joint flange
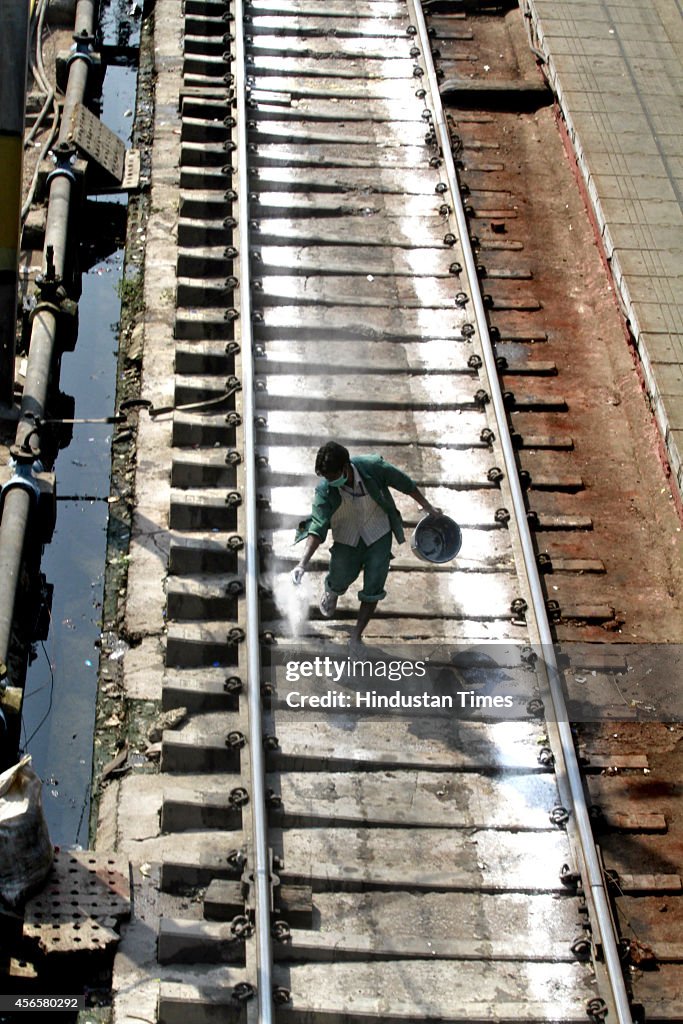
[
  {"x": 83, "y": 49},
  {"x": 24, "y": 475},
  {"x": 44, "y": 306},
  {"x": 63, "y": 156}
]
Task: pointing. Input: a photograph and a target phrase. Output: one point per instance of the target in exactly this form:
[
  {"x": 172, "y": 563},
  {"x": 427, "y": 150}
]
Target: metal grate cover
[{"x": 85, "y": 896}]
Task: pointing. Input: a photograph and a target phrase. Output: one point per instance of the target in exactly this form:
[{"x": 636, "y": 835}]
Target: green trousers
[{"x": 346, "y": 563}]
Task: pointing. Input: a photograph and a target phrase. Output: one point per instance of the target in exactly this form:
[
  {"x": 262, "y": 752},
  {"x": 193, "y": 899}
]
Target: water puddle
[{"x": 61, "y": 682}]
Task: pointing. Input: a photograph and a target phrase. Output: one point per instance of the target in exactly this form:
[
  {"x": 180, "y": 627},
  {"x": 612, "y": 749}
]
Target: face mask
[{"x": 339, "y": 482}]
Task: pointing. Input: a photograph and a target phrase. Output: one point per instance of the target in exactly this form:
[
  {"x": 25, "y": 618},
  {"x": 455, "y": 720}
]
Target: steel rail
[
  {"x": 261, "y": 861},
  {"x": 593, "y": 877}
]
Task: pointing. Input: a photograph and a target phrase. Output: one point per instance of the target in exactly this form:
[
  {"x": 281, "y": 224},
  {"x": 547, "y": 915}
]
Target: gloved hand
[{"x": 297, "y": 574}]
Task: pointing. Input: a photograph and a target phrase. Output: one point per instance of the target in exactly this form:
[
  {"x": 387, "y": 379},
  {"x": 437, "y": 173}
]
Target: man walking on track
[{"x": 353, "y": 499}]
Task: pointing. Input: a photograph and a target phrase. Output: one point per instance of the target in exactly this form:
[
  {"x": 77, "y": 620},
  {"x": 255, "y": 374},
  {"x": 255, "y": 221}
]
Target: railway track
[{"x": 350, "y": 867}]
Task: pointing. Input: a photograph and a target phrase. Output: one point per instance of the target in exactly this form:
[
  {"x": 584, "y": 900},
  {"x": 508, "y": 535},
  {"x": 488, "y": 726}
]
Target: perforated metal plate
[
  {"x": 77, "y": 910},
  {"x": 98, "y": 142}
]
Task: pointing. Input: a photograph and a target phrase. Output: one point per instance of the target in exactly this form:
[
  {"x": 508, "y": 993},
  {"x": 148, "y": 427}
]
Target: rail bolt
[
  {"x": 281, "y": 931},
  {"x": 501, "y": 363},
  {"x": 417, "y": 71},
  {"x": 481, "y": 397},
  {"x": 455, "y": 268},
  {"x": 238, "y": 797},
  {"x": 581, "y": 948},
  {"x": 495, "y": 475},
  {"x": 233, "y": 419},
  {"x": 243, "y": 992},
  {"x": 233, "y": 457},
  {"x": 474, "y": 362},
  {"x": 235, "y": 588},
  {"x": 559, "y": 816},
  {"x": 411, "y": 30},
  {"x": 435, "y": 161},
  {"x": 596, "y": 1009},
  {"x": 420, "y": 94},
  {"x": 414, "y": 52},
  {"x": 449, "y": 239},
  {"x": 554, "y": 611},
  {"x": 281, "y": 996},
  {"x": 502, "y": 516},
  {"x": 236, "y": 859},
  {"x": 545, "y": 563},
  {"x": 545, "y": 757},
  {"x": 461, "y": 299},
  {"x": 568, "y": 877},
  {"x": 235, "y": 636},
  {"x": 233, "y": 684},
  {"x": 444, "y": 209},
  {"x": 231, "y": 314},
  {"x": 241, "y": 927},
  {"x": 519, "y": 608},
  {"x": 233, "y": 499},
  {"x": 487, "y": 437},
  {"x": 536, "y": 707},
  {"x": 271, "y": 743},
  {"x": 235, "y": 740},
  {"x": 273, "y": 799}
]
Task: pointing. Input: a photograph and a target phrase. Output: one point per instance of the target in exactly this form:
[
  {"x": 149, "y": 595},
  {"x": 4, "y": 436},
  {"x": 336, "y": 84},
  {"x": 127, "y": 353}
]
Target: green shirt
[{"x": 378, "y": 476}]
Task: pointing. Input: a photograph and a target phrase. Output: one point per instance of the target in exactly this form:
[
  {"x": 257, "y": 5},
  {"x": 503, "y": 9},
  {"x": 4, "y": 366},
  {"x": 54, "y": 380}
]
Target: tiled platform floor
[{"x": 617, "y": 69}]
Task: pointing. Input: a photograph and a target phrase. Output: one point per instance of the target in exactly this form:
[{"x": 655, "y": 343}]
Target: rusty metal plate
[
  {"x": 98, "y": 142},
  {"x": 85, "y": 895}
]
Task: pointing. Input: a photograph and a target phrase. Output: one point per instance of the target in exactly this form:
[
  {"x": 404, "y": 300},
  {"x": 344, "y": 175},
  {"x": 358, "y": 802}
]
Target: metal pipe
[
  {"x": 593, "y": 874},
  {"x": 43, "y": 333},
  {"x": 261, "y": 866},
  {"x": 13, "y": 69},
  {"x": 16, "y": 510}
]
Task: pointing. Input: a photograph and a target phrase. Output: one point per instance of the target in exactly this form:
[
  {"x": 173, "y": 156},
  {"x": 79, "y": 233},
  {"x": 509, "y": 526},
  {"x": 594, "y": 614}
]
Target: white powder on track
[{"x": 293, "y": 601}]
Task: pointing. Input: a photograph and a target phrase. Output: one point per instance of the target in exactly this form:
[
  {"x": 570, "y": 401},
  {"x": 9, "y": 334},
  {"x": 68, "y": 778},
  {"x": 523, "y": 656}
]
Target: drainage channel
[{"x": 61, "y": 683}]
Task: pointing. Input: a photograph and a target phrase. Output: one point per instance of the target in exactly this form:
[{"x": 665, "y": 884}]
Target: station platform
[{"x": 616, "y": 67}]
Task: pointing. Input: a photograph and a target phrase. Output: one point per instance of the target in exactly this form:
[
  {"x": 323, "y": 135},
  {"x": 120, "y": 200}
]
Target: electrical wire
[{"x": 40, "y": 76}]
